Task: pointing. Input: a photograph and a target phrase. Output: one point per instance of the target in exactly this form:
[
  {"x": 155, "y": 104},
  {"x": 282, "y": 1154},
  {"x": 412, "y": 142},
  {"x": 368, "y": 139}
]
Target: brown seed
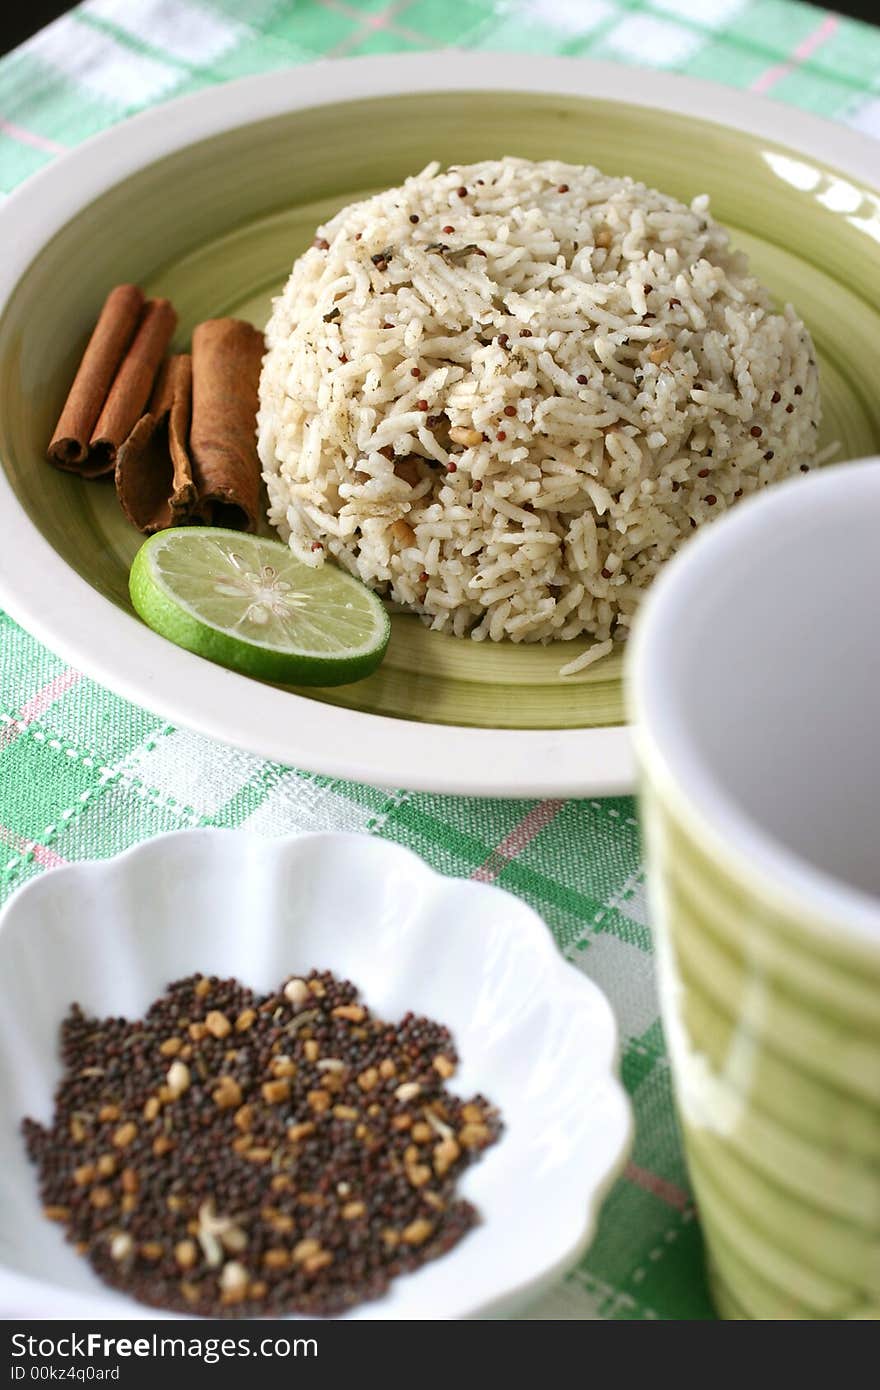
[
  {"x": 241, "y": 1143},
  {"x": 273, "y": 1092},
  {"x": 227, "y": 1094},
  {"x": 191, "y": 1292},
  {"x": 197, "y": 1031},
  {"x": 662, "y": 352},
  {"x": 387, "y": 1068},
  {"x": 469, "y": 438},
  {"x": 345, "y": 1112},
  {"x": 56, "y": 1213},
  {"x": 217, "y": 1024},
  {"x": 305, "y": 1250},
  {"x": 353, "y": 1012},
  {"x": 417, "y": 1232},
  {"x": 300, "y": 1131},
  {"x": 100, "y": 1197},
  {"x": 312, "y": 1050},
  {"x": 407, "y": 1090},
  {"x": 603, "y": 238},
  {"x": 276, "y": 1258},
  {"x": 319, "y": 1100},
  {"x": 108, "y": 1113},
  {"x": 125, "y": 1135},
  {"x": 243, "y": 1117},
  {"x": 422, "y": 1133},
  {"x": 246, "y": 1019},
  {"x": 128, "y": 1203},
  {"x": 152, "y": 1250},
  {"x": 316, "y": 1262},
  {"x": 443, "y": 1065},
  {"x": 368, "y": 1079},
  {"x": 77, "y": 1130},
  {"x": 390, "y": 1238},
  {"x": 202, "y": 988},
  {"x": 129, "y": 1180},
  {"x": 282, "y": 1066},
  {"x": 176, "y": 1203},
  {"x": 151, "y": 1108},
  {"x": 170, "y": 1047},
  {"x": 445, "y": 1154},
  {"x": 472, "y": 1113},
  {"x": 83, "y": 1175},
  {"x": 162, "y": 1145},
  {"x": 281, "y": 1183},
  {"x": 259, "y": 1154},
  {"x": 403, "y": 532},
  {"x": 352, "y": 1210},
  {"x": 186, "y": 1253},
  {"x": 401, "y": 1122},
  {"x": 418, "y": 1174},
  {"x": 281, "y": 1222},
  {"x": 473, "y": 1136}
]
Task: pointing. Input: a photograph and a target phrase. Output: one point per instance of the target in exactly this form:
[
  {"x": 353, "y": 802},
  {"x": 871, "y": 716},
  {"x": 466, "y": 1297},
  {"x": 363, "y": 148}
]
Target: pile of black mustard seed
[{"x": 242, "y": 1155}]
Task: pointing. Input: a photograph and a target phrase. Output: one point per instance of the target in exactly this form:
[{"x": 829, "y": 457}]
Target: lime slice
[{"x": 246, "y": 602}]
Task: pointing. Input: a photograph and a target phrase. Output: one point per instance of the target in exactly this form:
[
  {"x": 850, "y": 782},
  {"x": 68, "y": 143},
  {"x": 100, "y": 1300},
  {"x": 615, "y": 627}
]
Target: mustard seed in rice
[{"x": 503, "y": 395}]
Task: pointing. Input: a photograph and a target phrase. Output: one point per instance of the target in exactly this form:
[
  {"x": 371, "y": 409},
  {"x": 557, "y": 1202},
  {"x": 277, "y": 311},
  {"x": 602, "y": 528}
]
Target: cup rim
[{"x": 735, "y": 838}]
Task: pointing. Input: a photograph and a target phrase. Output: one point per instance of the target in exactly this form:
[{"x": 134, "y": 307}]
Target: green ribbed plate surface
[{"x": 217, "y": 225}]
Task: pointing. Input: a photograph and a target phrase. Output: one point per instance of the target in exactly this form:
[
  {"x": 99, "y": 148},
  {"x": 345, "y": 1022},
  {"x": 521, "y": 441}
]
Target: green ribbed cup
[
  {"x": 775, "y": 1044},
  {"x": 753, "y": 680}
]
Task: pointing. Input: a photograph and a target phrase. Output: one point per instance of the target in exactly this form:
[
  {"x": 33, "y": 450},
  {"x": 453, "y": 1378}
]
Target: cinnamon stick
[
  {"x": 226, "y": 359},
  {"x": 154, "y": 479},
  {"x": 112, "y": 334},
  {"x": 132, "y": 385}
]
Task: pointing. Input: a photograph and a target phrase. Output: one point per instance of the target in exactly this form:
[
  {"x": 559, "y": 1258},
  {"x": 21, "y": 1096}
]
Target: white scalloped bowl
[{"x": 533, "y": 1035}]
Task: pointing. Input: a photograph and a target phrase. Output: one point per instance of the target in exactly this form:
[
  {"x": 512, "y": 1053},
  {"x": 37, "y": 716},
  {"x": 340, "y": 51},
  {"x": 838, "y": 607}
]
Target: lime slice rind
[{"x": 246, "y": 602}]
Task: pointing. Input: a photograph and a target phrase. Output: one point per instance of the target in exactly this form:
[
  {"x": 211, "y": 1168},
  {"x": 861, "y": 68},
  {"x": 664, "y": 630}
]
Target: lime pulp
[{"x": 247, "y": 603}]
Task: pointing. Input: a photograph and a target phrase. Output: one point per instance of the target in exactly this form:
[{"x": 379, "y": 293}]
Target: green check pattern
[{"x": 85, "y": 775}]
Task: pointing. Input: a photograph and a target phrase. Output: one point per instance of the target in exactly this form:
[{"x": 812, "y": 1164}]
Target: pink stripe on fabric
[
  {"x": 30, "y": 137},
  {"x": 38, "y": 704},
  {"x": 515, "y": 842},
  {"x": 804, "y": 50},
  {"x": 50, "y": 692},
  {"x": 45, "y": 857},
  {"x": 659, "y": 1187}
]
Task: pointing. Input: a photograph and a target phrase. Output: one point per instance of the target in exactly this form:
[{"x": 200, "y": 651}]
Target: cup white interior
[{"x": 755, "y": 684}]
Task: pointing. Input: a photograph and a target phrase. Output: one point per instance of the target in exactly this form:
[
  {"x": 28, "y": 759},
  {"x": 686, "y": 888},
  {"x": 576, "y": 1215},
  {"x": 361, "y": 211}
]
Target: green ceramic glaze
[
  {"x": 774, "y": 1033},
  {"x": 217, "y": 225}
]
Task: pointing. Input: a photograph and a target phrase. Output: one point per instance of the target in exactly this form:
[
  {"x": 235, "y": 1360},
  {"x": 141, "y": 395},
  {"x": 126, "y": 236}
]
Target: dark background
[{"x": 18, "y": 21}]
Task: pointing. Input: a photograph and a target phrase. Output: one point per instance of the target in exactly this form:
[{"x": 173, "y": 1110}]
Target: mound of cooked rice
[{"x": 504, "y": 394}]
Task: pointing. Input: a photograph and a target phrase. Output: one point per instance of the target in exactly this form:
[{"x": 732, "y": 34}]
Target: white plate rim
[{"x": 42, "y": 593}]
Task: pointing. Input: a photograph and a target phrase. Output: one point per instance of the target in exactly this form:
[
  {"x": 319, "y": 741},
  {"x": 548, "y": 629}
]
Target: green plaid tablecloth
[{"x": 83, "y": 774}]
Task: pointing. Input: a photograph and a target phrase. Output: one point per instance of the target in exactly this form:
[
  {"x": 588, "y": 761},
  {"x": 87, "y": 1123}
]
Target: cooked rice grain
[{"x": 551, "y": 378}]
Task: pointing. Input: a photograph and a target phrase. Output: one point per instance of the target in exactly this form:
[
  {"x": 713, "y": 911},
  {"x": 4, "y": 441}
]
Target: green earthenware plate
[{"x": 209, "y": 201}]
